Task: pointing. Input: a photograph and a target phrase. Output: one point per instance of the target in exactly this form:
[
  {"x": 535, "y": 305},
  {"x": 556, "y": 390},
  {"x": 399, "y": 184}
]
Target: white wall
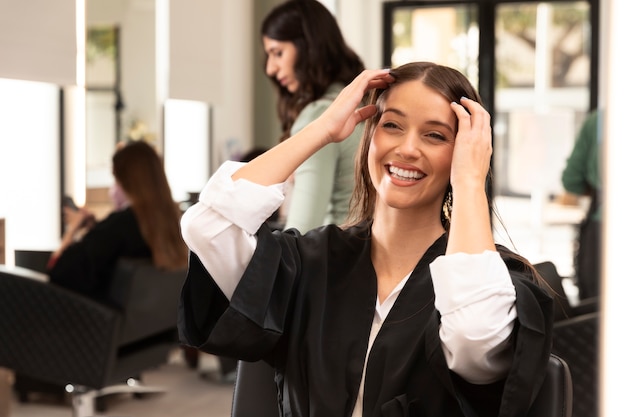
[
  {"x": 212, "y": 61},
  {"x": 361, "y": 22},
  {"x": 38, "y": 46}
]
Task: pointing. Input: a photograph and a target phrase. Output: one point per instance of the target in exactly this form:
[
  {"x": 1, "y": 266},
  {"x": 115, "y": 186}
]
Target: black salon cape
[{"x": 306, "y": 303}]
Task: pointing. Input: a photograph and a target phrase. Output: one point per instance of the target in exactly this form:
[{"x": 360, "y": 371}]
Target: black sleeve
[
  {"x": 250, "y": 326},
  {"x": 201, "y": 305}
]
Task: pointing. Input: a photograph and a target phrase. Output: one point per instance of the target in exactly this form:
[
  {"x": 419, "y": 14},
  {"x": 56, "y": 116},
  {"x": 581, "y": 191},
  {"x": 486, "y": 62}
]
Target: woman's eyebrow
[{"x": 394, "y": 110}]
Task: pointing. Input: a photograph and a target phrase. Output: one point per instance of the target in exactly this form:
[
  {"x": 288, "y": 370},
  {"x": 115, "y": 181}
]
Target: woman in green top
[
  {"x": 581, "y": 176},
  {"x": 309, "y": 62}
]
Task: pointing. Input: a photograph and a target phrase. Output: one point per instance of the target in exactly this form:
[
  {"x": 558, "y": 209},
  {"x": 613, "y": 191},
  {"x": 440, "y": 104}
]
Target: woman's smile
[{"x": 404, "y": 174}]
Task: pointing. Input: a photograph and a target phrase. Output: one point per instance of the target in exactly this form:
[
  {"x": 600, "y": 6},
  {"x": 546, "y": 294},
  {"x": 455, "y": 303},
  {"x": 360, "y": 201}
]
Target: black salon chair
[
  {"x": 255, "y": 391},
  {"x": 37, "y": 260},
  {"x": 555, "y": 399},
  {"x": 563, "y": 308},
  {"x": 57, "y": 336},
  {"x": 575, "y": 339}
]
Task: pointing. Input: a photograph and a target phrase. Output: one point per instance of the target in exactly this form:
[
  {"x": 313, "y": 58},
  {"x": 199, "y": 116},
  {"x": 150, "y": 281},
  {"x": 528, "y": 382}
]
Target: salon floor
[{"x": 188, "y": 393}]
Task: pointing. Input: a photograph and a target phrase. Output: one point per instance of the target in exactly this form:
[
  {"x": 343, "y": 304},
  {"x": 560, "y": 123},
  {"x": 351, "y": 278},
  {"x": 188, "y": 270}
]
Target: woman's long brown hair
[{"x": 139, "y": 170}]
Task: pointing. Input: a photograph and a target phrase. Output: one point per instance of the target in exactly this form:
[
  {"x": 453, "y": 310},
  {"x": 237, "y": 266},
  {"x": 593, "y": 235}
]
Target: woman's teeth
[{"x": 405, "y": 174}]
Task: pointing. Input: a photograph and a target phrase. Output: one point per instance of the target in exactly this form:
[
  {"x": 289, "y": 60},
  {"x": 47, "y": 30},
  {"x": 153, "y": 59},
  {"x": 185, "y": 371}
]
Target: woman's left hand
[
  {"x": 472, "y": 148},
  {"x": 470, "y": 222}
]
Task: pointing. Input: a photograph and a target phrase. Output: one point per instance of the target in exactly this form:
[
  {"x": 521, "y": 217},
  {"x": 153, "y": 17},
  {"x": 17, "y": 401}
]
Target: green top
[
  {"x": 581, "y": 174},
  {"x": 323, "y": 184}
]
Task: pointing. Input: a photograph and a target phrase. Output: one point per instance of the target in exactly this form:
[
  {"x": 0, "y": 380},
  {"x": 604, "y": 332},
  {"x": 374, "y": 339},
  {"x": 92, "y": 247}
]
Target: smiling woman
[
  {"x": 411, "y": 146},
  {"x": 401, "y": 281}
]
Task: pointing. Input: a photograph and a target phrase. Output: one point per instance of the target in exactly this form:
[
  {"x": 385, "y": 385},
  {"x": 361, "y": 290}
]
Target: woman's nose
[
  {"x": 270, "y": 67},
  {"x": 410, "y": 147}
]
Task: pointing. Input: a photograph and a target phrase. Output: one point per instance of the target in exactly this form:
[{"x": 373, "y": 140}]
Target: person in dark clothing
[
  {"x": 581, "y": 176},
  {"x": 144, "y": 224},
  {"x": 409, "y": 309}
]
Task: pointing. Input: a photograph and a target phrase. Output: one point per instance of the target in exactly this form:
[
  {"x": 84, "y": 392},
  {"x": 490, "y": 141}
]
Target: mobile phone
[{"x": 69, "y": 202}]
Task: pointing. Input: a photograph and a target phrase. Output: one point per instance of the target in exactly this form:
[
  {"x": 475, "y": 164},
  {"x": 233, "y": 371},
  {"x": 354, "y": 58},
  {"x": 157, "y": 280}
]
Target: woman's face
[
  {"x": 281, "y": 62},
  {"x": 410, "y": 154}
]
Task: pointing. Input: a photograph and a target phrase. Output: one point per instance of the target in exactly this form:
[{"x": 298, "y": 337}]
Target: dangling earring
[{"x": 447, "y": 206}]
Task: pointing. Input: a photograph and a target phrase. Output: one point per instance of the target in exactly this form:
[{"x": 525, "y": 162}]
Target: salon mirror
[{"x": 535, "y": 65}]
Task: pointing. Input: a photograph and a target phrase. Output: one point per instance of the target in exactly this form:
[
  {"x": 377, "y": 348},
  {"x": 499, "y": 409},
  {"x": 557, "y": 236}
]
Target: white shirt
[{"x": 473, "y": 293}]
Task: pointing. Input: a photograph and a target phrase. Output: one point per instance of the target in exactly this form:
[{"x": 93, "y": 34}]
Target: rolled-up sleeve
[
  {"x": 476, "y": 299},
  {"x": 220, "y": 227}
]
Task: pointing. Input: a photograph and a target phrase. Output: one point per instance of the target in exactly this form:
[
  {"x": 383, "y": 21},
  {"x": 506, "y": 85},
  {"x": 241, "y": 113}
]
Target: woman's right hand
[{"x": 342, "y": 116}]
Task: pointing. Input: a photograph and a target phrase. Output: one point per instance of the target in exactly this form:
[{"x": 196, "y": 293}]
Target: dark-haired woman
[{"x": 309, "y": 62}]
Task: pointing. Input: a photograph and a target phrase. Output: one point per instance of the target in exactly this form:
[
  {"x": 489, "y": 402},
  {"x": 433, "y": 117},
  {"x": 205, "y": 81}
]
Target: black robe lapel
[{"x": 400, "y": 341}]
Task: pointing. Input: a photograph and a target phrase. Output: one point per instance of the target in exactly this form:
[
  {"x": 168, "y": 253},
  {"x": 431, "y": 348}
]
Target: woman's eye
[
  {"x": 437, "y": 136},
  {"x": 389, "y": 125}
]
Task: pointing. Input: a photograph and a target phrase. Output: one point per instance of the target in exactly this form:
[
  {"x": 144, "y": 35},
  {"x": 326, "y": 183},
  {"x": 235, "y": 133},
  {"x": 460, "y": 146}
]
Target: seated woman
[
  {"x": 145, "y": 224},
  {"x": 411, "y": 309}
]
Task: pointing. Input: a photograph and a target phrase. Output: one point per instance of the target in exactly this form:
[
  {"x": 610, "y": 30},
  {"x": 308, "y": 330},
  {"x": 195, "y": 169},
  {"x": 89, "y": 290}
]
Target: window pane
[{"x": 445, "y": 35}]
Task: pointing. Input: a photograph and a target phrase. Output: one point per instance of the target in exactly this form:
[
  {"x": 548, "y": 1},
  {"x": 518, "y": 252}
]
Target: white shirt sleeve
[
  {"x": 476, "y": 299},
  {"x": 220, "y": 228}
]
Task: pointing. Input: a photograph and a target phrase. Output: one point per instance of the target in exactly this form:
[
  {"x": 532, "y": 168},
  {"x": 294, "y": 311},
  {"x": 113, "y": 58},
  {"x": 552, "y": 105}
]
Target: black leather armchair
[
  {"x": 57, "y": 336},
  {"x": 255, "y": 392},
  {"x": 555, "y": 398}
]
